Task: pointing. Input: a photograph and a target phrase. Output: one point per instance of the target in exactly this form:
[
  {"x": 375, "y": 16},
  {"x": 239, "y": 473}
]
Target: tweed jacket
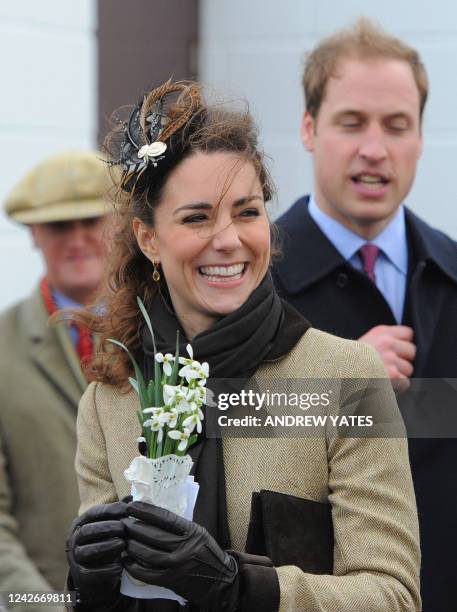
[
  {"x": 41, "y": 384},
  {"x": 335, "y": 297},
  {"x": 367, "y": 482}
]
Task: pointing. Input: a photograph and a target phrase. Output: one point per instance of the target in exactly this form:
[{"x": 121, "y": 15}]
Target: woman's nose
[{"x": 226, "y": 238}]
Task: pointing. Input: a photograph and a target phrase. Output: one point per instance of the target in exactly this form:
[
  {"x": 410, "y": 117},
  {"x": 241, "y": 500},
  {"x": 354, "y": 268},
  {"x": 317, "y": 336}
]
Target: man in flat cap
[{"x": 62, "y": 201}]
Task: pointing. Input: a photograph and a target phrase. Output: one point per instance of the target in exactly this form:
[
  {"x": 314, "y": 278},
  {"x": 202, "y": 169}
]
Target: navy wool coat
[{"x": 313, "y": 276}]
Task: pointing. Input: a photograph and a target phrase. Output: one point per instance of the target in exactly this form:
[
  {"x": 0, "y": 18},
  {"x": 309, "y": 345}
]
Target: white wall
[
  {"x": 48, "y": 104},
  {"x": 255, "y": 49}
]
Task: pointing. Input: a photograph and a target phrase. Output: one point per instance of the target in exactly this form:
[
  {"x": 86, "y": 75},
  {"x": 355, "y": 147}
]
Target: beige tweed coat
[{"x": 367, "y": 481}]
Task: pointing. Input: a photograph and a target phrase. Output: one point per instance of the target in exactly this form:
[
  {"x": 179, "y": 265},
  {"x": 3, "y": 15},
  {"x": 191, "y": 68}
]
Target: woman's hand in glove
[
  {"x": 94, "y": 547},
  {"x": 166, "y": 550}
]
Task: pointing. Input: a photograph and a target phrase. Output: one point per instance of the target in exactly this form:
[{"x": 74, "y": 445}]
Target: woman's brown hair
[{"x": 188, "y": 125}]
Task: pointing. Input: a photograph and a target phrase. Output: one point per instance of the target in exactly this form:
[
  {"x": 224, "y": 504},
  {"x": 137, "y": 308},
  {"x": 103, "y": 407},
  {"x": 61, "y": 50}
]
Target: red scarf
[{"x": 84, "y": 347}]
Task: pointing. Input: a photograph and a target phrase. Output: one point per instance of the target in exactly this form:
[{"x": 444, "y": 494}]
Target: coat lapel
[
  {"x": 301, "y": 237},
  {"x": 436, "y": 256},
  {"x": 52, "y": 352}
]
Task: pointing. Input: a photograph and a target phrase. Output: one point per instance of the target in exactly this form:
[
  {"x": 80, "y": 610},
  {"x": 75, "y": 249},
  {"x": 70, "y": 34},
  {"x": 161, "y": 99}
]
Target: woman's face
[{"x": 211, "y": 236}]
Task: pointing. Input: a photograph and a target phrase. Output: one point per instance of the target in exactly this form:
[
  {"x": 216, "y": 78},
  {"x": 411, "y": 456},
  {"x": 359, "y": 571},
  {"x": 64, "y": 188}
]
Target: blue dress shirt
[
  {"x": 391, "y": 266},
  {"x": 62, "y": 301}
]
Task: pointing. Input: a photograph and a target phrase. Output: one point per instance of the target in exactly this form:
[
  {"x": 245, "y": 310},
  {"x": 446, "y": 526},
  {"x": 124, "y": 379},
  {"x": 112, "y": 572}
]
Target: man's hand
[{"x": 394, "y": 343}]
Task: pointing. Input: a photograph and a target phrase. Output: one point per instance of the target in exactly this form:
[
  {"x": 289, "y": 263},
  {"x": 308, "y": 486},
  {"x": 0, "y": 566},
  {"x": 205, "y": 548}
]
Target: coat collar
[
  {"x": 301, "y": 236},
  {"x": 432, "y": 245},
  {"x": 48, "y": 345}
]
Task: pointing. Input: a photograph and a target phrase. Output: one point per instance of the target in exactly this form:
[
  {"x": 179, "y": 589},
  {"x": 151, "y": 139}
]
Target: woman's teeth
[{"x": 222, "y": 273}]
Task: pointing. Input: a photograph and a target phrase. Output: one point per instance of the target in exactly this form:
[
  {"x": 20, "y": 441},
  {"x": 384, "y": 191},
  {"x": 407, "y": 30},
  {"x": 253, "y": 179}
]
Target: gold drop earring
[{"x": 155, "y": 272}]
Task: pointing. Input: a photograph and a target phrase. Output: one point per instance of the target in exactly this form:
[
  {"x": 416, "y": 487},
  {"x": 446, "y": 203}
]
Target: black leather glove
[
  {"x": 166, "y": 550},
  {"x": 94, "y": 547}
]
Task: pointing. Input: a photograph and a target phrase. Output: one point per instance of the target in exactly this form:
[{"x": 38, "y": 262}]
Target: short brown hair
[{"x": 362, "y": 40}]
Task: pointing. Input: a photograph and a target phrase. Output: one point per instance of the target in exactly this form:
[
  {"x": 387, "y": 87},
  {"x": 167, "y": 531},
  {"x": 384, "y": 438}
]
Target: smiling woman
[
  {"x": 215, "y": 252},
  {"x": 194, "y": 242}
]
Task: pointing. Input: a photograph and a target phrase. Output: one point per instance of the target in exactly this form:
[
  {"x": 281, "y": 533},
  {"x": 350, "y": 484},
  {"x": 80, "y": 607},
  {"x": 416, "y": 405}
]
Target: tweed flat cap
[{"x": 71, "y": 185}]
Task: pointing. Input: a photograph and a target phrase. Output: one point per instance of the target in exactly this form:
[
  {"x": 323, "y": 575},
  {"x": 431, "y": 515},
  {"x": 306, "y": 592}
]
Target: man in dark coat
[{"x": 357, "y": 263}]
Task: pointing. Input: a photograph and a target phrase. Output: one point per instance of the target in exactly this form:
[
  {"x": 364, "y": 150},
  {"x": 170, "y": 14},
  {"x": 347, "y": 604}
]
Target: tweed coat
[
  {"x": 366, "y": 481},
  {"x": 319, "y": 283},
  {"x": 41, "y": 384}
]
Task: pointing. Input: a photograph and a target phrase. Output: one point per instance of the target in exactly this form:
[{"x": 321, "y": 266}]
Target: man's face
[
  {"x": 74, "y": 254},
  {"x": 366, "y": 141}
]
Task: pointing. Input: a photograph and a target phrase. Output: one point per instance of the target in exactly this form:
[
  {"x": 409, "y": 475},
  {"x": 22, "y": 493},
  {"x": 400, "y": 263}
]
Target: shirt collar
[
  {"x": 62, "y": 301},
  {"x": 391, "y": 241}
]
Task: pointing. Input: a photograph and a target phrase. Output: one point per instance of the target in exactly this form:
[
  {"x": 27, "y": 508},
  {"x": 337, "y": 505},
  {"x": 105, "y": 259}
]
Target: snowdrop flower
[
  {"x": 194, "y": 370},
  {"x": 156, "y": 424},
  {"x": 174, "y": 395},
  {"x": 188, "y": 360},
  {"x": 180, "y": 435},
  {"x": 167, "y": 361},
  {"x": 204, "y": 370},
  {"x": 194, "y": 420},
  {"x": 195, "y": 395},
  {"x": 188, "y": 372},
  {"x": 171, "y": 417},
  {"x": 153, "y": 410}
]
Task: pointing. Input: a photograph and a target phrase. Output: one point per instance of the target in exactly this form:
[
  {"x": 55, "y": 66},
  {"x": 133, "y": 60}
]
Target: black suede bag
[{"x": 291, "y": 531}]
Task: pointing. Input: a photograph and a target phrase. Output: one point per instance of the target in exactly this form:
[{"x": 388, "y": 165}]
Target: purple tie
[{"x": 369, "y": 253}]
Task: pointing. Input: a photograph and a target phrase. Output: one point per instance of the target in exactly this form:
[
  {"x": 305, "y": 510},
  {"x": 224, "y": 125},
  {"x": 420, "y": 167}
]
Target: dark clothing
[{"x": 335, "y": 297}]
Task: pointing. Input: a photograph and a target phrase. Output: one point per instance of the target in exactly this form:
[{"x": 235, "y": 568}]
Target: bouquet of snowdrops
[{"x": 170, "y": 417}]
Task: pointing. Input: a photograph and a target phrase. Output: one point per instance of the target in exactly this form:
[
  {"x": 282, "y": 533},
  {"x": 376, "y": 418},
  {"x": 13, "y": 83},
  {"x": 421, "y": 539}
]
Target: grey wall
[
  {"x": 255, "y": 49},
  {"x": 48, "y": 104}
]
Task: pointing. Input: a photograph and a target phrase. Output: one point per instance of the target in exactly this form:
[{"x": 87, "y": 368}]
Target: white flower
[
  {"x": 153, "y": 410},
  {"x": 192, "y": 369},
  {"x": 141, "y": 439},
  {"x": 204, "y": 370},
  {"x": 171, "y": 417},
  {"x": 195, "y": 396},
  {"x": 156, "y": 423},
  {"x": 190, "y": 359},
  {"x": 180, "y": 435},
  {"x": 188, "y": 372},
  {"x": 175, "y": 395},
  {"x": 194, "y": 420},
  {"x": 167, "y": 361}
]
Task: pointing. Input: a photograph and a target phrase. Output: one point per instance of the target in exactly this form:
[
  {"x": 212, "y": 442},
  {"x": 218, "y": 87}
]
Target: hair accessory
[
  {"x": 153, "y": 120},
  {"x": 155, "y": 273},
  {"x": 135, "y": 154}
]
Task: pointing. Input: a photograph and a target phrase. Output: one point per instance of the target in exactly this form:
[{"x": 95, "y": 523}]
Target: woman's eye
[
  {"x": 194, "y": 219},
  {"x": 250, "y": 212}
]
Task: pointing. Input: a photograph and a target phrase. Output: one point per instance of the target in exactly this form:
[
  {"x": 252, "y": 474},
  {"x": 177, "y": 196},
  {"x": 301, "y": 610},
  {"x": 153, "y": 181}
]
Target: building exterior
[{"x": 67, "y": 66}]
